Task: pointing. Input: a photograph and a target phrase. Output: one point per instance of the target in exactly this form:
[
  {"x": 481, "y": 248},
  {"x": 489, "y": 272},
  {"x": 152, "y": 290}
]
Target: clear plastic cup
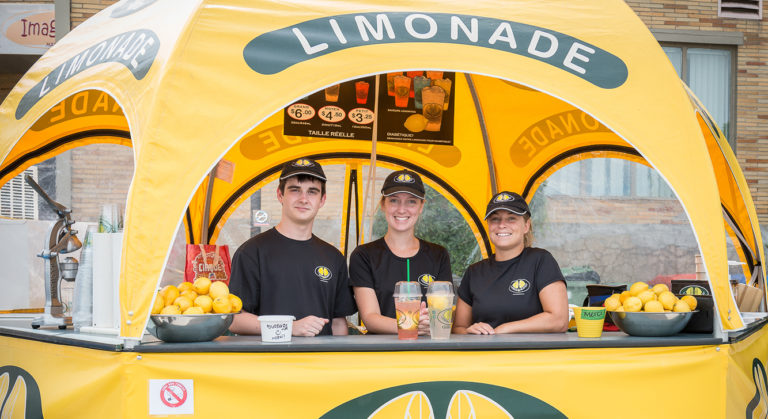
[
  {"x": 440, "y": 306},
  {"x": 407, "y": 305}
]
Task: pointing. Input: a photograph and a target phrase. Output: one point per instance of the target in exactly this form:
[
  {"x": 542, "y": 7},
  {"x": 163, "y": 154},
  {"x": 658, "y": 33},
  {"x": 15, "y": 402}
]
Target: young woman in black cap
[
  {"x": 375, "y": 267},
  {"x": 520, "y": 288}
]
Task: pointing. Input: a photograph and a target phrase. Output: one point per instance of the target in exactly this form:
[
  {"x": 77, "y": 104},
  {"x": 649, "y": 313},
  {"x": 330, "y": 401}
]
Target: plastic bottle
[{"x": 83, "y": 299}]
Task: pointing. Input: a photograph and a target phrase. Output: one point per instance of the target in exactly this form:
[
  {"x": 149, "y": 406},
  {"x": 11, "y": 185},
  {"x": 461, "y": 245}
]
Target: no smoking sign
[{"x": 171, "y": 397}]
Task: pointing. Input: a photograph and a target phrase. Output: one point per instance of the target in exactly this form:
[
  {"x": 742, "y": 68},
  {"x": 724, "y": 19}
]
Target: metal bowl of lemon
[
  {"x": 190, "y": 327},
  {"x": 643, "y": 323}
]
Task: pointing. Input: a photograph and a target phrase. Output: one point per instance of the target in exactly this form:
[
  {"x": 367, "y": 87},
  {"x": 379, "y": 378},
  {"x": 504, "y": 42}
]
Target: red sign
[{"x": 173, "y": 394}]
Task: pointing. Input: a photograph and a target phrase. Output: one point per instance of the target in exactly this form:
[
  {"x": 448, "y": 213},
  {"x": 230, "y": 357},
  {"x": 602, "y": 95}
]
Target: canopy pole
[
  {"x": 207, "y": 207},
  {"x": 372, "y": 167},
  {"x": 484, "y": 132}
]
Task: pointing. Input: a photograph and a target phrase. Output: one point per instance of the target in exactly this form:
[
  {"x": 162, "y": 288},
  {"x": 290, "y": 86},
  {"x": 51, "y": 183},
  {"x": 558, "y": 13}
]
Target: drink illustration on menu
[
  {"x": 341, "y": 111},
  {"x": 411, "y": 107},
  {"x": 416, "y": 107}
]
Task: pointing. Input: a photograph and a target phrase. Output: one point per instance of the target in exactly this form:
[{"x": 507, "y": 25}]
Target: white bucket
[{"x": 276, "y": 328}]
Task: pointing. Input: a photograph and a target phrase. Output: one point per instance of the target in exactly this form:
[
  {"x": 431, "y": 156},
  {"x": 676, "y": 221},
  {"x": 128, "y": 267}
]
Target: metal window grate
[
  {"x": 17, "y": 199},
  {"x": 740, "y": 9}
]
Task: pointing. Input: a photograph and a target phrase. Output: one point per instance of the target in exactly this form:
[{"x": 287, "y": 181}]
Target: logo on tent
[
  {"x": 275, "y": 51},
  {"x": 19, "y": 394},
  {"x": 444, "y": 399}
]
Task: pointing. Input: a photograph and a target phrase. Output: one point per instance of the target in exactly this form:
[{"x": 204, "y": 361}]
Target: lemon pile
[
  {"x": 199, "y": 297},
  {"x": 658, "y": 299}
]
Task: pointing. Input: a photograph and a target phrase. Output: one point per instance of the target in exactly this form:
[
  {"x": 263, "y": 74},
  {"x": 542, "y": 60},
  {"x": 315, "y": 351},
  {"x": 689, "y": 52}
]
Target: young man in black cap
[
  {"x": 289, "y": 271},
  {"x": 375, "y": 267},
  {"x": 520, "y": 288}
]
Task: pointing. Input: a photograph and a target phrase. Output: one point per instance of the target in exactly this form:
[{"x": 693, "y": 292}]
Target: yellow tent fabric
[{"x": 194, "y": 79}]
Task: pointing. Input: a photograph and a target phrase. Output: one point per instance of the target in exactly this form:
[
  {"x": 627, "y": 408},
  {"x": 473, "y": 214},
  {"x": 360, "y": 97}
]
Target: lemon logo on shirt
[
  {"x": 323, "y": 273},
  {"x": 519, "y": 286},
  {"x": 503, "y": 197},
  {"x": 426, "y": 279},
  {"x": 404, "y": 178},
  {"x": 303, "y": 163}
]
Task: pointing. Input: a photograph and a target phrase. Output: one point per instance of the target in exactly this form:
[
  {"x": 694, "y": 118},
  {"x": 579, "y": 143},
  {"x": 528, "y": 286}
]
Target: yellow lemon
[
  {"x": 171, "y": 309},
  {"x": 633, "y": 304},
  {"x": 620, "y": 308},
  {"x": 222, "y": 305},
  {"x": 189, "y": 294},
  {"x": 654, "y": 306},
  {"x": 193, "y": 310},
  {"x": 416, "y": 123},
  {"x": 218, "y": 289},
  {"x": 204, "y": 302},
  {"x": 184, "y": 286},
  {"x": 691, "y": 301},
  {"x": 170, "y": 293},
  {"x": 646, "y": 296},
  {"x": 637, "y": 288},
  {"x": 659, "y": 288},
  {"x": 667, "y": 299},
  {"x": 681, "y": 306},
  {"x": 201, "y": 285},
  {"x": 183, "y": 303},
  {"x": 237, "y": 303},
  {"x": 158, "y": 306},
  {"x": 624, "y": 295},
  {"x": 612, "y": 304}
]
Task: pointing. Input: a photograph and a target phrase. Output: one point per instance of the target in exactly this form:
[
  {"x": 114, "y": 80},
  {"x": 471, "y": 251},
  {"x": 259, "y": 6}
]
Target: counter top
[
  {"x": 388, "y": 343},
  {"x": 374, "y": 343}
]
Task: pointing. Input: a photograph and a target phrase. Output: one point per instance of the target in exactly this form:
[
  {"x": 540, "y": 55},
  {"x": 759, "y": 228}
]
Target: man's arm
[{"x": 339, "y": 326}]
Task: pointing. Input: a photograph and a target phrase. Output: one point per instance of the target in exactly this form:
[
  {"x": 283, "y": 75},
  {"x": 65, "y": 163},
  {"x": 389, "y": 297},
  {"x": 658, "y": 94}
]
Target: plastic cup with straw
[{"x": 407, "y": 306}]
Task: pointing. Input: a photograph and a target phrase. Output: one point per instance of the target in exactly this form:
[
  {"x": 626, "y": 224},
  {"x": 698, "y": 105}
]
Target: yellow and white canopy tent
[{"x": 539, "y": 84}]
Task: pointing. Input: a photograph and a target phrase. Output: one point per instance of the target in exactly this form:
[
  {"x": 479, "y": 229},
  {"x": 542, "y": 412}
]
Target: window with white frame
[
  {"x": 17, "y": 199},
  {"x": 708, "y": 71}
]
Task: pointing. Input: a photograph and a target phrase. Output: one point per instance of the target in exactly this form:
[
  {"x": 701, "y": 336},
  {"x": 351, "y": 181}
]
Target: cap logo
[
  {"x": 404, "y": 178},
  {"x": 519, "y": 286},
  {"x": 323, "y": 273},
  {"x": 426, "y": 279},
  {"x": 303, "y": 163},
  {"x": 503, "y": 197}
]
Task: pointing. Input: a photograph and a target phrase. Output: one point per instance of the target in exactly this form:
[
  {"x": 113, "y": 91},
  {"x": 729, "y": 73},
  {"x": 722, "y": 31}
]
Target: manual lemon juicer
[{"x": 61, "y": 240}]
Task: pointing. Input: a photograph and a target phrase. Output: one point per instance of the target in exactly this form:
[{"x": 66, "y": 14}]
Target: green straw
[{"x": 408, "y": 269}]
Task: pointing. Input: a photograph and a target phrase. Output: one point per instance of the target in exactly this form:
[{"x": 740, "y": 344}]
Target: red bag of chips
[{"x": 208, "y": 260}]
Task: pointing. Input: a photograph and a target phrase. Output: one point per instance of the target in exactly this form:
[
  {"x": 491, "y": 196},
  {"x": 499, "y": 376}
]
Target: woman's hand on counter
[
  {"x": 423, "y": 320},
  {"x": 481, "y": 329}
]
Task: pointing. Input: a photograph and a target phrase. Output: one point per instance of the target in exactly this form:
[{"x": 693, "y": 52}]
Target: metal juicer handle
[{"x": 60, "y": 209}]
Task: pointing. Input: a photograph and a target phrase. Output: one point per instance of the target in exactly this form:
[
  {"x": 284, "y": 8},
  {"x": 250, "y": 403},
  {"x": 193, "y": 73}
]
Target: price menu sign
[
  {"x": 343, "y": 110},
  {"x": 416, "y": 107}
]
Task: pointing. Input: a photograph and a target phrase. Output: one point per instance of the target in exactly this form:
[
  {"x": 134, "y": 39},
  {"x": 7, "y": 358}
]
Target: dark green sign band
[
  {"x": 273, "y": 52},
  {"x": 136, "y": 50}
]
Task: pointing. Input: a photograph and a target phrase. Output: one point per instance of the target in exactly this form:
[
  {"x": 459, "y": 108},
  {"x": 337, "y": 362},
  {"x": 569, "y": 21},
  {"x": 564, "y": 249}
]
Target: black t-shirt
[
  {"x": 373, "y": 265},
  {"x": 501, "y": 292},
  {"x": 273, "y": 274}
]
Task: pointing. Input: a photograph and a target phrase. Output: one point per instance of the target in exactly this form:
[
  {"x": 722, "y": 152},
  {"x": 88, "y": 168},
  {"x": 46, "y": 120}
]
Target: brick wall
[
  {"x": 751, "y": 81},
  {"x": 81, "y": 10}
]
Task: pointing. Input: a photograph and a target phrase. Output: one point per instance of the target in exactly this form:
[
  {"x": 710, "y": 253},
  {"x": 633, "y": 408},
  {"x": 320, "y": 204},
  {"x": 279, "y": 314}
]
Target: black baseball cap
[
  {"x": 302, "y": 166},
  {"x": 403, "y": 181},
  {"x": 507, "y": 201}
]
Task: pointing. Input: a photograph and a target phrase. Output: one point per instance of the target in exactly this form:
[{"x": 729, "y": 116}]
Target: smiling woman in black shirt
[{"x": 519, "y": 289}]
